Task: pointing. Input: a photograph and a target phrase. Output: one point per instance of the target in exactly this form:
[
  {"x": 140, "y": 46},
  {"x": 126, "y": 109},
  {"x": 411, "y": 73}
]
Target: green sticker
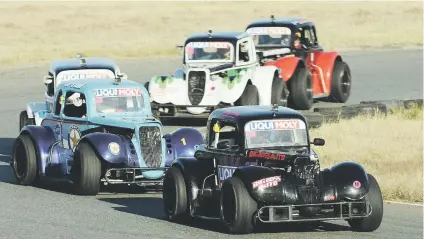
[
  {"x": 233, "y": 76},
  {"x": 163, "y": 80}
]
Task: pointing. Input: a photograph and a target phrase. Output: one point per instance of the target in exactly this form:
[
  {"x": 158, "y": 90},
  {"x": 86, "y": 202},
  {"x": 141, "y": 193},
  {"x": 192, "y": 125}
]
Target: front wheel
[
  {"x": 250, "y": 96},
  {"x": 279, "y": 91},
  {"x": 24, "y": 120},
  {"x": 340, "y": 82},
  {"x": 175, "y": 200},
  {"x": 237, "y": 207},
  {"x": 24, "y": 160},
  {"x": 373, "y": 221},
  {"x": 86, "y": 170},
  {"x": 301, "y": 95}
]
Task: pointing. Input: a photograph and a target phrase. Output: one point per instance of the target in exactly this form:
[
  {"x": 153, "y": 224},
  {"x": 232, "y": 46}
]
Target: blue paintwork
[
  {"x": 182, "y": 143},
  {"x": 54, "y": 130}
]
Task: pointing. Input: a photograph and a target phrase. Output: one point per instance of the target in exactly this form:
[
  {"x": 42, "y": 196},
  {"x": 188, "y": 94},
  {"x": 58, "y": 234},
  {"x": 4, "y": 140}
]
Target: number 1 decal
[{"x": 184, "y": 141}]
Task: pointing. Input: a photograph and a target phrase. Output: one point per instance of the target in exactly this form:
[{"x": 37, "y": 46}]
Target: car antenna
[
  {"x": 117, "y": 80},
  {"x": 210, "y": 33},
  {"x": 83, "y": 61},
  {"x": 272, "y": 18}
]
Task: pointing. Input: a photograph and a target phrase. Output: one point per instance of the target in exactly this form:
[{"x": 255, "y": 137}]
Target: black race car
[{"x": 257, "y": 166}]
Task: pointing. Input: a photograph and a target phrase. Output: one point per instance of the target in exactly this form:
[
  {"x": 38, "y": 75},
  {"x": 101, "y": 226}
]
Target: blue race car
[
  {"x": 99, "y": 131},
  {"x": 66, "y": 70}
]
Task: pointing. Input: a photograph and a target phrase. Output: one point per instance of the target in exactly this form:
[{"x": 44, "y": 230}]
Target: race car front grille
[
  {"x": 150, "y": 144},
  {"x": 196, "y": 86}
]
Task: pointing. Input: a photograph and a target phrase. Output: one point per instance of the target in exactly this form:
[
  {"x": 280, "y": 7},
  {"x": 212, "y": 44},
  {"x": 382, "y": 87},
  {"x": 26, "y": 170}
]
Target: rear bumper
[
  {"x": 329, "y": 211},
  {"x": 133, "y": 176}
]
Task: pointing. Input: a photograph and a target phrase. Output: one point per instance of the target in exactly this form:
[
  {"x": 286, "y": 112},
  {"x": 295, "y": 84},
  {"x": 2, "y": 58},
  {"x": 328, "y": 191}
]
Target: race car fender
[
  {"x": 168, "y": 89},
  {"x": 100, "y": 144},
  {"x": 182, "y": 143},
  {"x": 265, "y": 185},
  {"x": 325, "y": 60},
  {"x": 349, "y": 179},
  {"x": 287, "y": 66},
  {"x": 35, "y": 107},
  {"x": 43, "y": 138},
  {"x": 262, "y": 79},
  {"x": 39, "y": 116}
]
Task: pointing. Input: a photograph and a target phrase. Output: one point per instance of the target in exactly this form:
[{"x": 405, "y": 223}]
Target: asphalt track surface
[{"x": 52, "y": 212}]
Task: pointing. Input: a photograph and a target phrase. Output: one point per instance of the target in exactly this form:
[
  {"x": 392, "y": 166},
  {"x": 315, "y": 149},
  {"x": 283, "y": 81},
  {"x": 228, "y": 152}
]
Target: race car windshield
[
  {"x": 119, "y": 100},
  {"x": 276, "y": 133},
  {"x": 69, "y": 75},
  {"x": 209, "y": 51},
  {"x": 270, "y": 36}
]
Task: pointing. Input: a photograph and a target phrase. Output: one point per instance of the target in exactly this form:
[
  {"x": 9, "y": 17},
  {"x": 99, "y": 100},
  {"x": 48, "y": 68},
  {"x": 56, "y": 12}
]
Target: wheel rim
[
  {"x": 345, "y": 77},
  {"x": 228, "y": 205},
  {"x": 20, "y": 157},
  {"x": 169, "y": 196}
]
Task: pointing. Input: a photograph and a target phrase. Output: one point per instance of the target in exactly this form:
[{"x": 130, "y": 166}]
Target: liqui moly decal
[
  {"x": 269, "y": 31},
  {"x": 275, "y": 125},
  {"x": 209, "y": 44},
  {"x": 118, "y": 92},
  {"x": 266, "y": 182},
  {"x": 225, "y": 172}
]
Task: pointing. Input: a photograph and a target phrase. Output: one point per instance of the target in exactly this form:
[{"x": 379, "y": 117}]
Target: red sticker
[{"x": 356, "y": 184}]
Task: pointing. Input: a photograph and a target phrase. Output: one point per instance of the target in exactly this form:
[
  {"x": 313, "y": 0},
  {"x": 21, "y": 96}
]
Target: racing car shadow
[{"x": 152, "y": 207}]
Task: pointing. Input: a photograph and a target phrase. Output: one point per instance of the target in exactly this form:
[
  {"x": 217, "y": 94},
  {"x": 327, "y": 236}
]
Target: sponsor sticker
[
  {"x": 117, "y": 92},
  {"x": 266, "y": 182},
  {"x": 269, "y": 31},
  {"x": 225, "y": 172},
  {"x": 275, "y": 125},
  {"x": 75, "y": 86},
  {"x": 208, "y": 44},
  {"x": 84, "y": 74},
  {"x": 356, "y": 184},
  {"x": 266, "y": 155},
  {"x": 74, "y": 135},
  {"x": 231, "y": 114}
]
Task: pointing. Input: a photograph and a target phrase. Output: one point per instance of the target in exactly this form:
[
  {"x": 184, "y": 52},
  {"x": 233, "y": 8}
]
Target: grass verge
[
  {"x": 389, "y": 147},
  {"x": 41, "y": 31}
]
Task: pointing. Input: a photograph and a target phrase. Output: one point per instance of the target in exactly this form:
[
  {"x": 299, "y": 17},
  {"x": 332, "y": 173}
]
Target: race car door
[{"x": 73, "y": 123}]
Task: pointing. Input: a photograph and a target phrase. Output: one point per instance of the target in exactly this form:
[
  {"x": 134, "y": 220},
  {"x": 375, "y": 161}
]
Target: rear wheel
[
  {"x": 301, "y": 95},
  {"x": 340, "y": 82},
  {"x": 250, "y": 96},
  {"x": 24, "y": 160},
  {"x": 86, "y": 170},
  {"x": 374, "y": 197},
  {"x": 237, "y": 207},
  {"x": 175, "y": 200},
  {"x": 280, "y": 91}
]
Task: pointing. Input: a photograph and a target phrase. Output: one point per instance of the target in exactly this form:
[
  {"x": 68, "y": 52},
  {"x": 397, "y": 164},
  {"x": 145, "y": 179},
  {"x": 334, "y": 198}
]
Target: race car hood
[{"x": 129, "y": 122}]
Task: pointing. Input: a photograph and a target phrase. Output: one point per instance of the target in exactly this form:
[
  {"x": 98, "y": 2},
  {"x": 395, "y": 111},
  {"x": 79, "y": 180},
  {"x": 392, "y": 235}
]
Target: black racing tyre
[
  {"x": 250, "y": 96},
  {"x": 375, "y": 198},
  {"x": 301, "y": 95},
  {"x": 280, "y": 92},
  {"x": 237, "y": 207},
  {"x": 340, "y": 82},
  {"x": 86, "y": 170},
  {"x": 24, "y": 120},
  {"x": 24, "y": 160},
  {"x": 175, "y": 199}
]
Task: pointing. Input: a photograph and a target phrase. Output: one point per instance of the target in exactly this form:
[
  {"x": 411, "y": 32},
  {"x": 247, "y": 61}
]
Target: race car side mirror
[
  {"x": 48, "y": 79},
  {"x": 318, "y": 142},
  {"x": 179, "y": 46}
]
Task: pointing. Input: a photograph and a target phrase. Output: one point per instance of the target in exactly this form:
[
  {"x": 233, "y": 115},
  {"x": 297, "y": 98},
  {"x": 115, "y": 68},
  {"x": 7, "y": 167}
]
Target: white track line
[{"x": 404, "y": 203}]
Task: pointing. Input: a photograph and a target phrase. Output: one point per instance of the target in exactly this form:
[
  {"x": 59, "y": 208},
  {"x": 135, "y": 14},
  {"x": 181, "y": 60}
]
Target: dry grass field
[
  {"x": 41, "y": 31},
  {"x": 390, "y": 148}
]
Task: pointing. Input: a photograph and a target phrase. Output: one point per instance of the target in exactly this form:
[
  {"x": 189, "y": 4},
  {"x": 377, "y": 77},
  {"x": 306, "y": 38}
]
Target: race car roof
[
  {"x": 243, "y": 114},
  {"x": 290, "y": 22},
  {"x": 216, "y": 36},
  {"x": 75, "y": 64}
]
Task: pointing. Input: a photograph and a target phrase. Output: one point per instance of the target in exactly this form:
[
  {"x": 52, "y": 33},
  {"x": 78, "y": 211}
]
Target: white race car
[
  {"x": 220, "y": 69},
  {"x": 67, "y": 70}
]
